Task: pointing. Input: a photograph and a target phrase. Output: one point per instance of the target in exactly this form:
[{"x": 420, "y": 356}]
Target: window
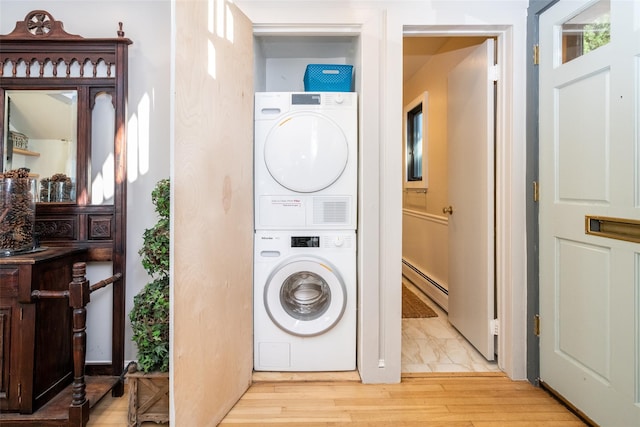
[
  {"x": 415, "y": 165},
  {"x": 587, "y": 31}
]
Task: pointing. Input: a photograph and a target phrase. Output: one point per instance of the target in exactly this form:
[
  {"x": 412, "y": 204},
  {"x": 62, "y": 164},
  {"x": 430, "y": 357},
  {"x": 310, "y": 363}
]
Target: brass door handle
[{"x": 448, "y": 210}]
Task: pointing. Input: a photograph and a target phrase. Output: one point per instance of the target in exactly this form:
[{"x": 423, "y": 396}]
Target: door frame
[
  {"x": 536, "y": 8},
  {"x": 510, "y": 294}
]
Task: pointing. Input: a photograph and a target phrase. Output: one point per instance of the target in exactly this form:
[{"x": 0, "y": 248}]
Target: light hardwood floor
[
  {"x": 425, "y": 397},
  {"x": 454, "y": 399}
]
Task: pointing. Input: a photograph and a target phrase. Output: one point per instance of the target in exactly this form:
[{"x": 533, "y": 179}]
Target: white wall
[{"x": 147, "y": 24}]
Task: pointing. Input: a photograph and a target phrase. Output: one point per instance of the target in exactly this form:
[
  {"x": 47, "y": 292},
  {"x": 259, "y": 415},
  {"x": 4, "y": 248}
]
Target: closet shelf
[{"x": 25, "y": 152}]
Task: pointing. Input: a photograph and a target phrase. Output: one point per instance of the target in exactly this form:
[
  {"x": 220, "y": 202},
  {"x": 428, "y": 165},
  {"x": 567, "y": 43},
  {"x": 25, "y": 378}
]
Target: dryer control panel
[{"x": 322, "y": 98}]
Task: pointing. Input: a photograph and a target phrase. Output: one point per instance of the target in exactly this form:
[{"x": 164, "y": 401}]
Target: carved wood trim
[
  {"x": 57, "y": 228},
  {"x": 63, "y": 51},
  {"x": 100, "y": 227},
  {"x": 40, "y": 24}
]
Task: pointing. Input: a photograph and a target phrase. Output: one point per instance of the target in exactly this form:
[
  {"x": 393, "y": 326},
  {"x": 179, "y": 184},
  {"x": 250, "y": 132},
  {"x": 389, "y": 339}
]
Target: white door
[
  {"x": 590, "y": 165},
  {"x": 471, "y": 197}
]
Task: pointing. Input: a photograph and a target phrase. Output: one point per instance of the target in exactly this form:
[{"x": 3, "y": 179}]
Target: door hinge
[
  {"x": 19, "y": 392},
  {"x": 21, "y": 313},
  {"x": 494, "y": 73},
  {"x": 536, "y": 191},
  {"x": 536, "y": 54},
  {"x": 536, "y": 325},
  {"x": 495, "y": 326}
]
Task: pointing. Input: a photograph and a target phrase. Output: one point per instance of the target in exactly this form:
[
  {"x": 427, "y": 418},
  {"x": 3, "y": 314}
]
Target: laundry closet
[
  {"x": 223, "y": 56},
  {"x": 244, "y": 58},
  {"x": 305, "y": 187}
]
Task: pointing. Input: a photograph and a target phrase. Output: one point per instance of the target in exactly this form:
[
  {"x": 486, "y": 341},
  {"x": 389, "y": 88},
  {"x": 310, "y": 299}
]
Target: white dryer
[
  {"x": 306, "y": 160},
  {"x": 305, "y": 300}
]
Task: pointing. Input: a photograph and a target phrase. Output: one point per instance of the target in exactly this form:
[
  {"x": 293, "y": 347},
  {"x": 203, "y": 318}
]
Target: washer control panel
[
  {"x": 322, "y": 241},
  {"x": 278, "y": 243}
]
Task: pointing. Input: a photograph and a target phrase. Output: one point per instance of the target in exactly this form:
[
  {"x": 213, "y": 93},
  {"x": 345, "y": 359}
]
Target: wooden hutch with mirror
[{"x": 63, "y": 99}]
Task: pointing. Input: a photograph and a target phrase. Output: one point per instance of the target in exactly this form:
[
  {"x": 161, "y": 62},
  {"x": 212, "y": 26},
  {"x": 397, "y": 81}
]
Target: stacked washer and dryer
[{"x": 305, "y": 239}]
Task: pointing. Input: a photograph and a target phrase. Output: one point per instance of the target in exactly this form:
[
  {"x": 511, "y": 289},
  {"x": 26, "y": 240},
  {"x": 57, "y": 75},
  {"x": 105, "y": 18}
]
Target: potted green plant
[{"x": 149, "y": 380}]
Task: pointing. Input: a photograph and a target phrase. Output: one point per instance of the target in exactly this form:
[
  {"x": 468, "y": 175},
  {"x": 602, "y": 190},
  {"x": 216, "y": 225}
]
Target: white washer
[
  {"x": 305, "y": 300},
  {"x": 306, "y": 156}
]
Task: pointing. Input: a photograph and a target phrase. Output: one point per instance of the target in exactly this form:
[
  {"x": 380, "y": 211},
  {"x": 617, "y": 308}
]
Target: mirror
[{"x": 41, "y": 135}]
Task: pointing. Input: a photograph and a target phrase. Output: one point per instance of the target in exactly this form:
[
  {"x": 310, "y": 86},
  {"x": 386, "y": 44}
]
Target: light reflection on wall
[
  {"x": 144, "y": 113},
  {"x": 102, "y": 187},
  {"x": 211, "y": 62},
  {"x": 138, "y": 140},
  {"x": 219, "y": 23},
  {"x": 132, "y": 148},
  {"x": 219, "y": 18},
  {"x": 102, "y": 157},
  {"x": 210, "y": 14},
  {"x": 229, "y": 22}
]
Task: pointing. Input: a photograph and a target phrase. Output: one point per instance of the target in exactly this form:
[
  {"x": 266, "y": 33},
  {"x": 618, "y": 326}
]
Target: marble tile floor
[{"x": 433, "y": 345}]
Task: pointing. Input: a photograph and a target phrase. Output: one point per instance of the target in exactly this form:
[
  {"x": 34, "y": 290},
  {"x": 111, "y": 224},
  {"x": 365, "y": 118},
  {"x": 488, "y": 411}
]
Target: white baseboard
[{"x": 426, "y": 284}]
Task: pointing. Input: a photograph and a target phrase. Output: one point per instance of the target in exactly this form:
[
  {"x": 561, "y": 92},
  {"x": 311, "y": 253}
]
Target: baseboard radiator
[{"x": 434, "y": 290}]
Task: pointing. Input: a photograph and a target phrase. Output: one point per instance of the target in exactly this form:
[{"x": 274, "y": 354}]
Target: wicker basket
[{"x": 19, "y": 140}]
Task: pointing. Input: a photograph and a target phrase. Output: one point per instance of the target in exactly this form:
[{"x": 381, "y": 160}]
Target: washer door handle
[{"x": 270, "y": 254}]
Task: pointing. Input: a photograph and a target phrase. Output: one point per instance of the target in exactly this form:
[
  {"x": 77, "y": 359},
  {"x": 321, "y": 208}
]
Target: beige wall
[
  {"x": 212, "y": 336},
  {"x": 432, "y": 78},
  {"x": 425, "y": 238}
]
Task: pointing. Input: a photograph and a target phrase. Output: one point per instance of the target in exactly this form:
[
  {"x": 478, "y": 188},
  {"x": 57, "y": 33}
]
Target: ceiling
[{"x": 416, "y": 51}]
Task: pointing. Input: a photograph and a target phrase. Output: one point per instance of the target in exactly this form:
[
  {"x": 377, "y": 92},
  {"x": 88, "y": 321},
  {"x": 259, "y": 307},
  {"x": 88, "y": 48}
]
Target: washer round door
[
  {"x": 306, "y": 152},
  {"x": 305, "y": 296}
]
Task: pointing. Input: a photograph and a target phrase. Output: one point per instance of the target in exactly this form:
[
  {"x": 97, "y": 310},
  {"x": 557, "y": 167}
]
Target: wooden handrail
[
  {"x": 45, "y": 294},
  {"x": 79, "y": 296},
  {"x": 78, "y": 300},
  {"x": 101, "y": 284}
]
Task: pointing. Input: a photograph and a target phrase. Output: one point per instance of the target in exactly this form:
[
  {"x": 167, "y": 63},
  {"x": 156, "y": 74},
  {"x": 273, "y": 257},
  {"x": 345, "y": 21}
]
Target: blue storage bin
[{"x": 328, "y": 78}]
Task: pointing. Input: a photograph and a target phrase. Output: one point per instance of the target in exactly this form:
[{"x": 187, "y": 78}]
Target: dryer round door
[
  {"x": 306, "y": 152},
  {"x": 305, "y": 296}
]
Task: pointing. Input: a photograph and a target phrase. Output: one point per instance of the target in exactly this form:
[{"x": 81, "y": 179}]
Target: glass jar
[
  {"x": 57, "y": 190},
  {"x": 17, "y": 214}
]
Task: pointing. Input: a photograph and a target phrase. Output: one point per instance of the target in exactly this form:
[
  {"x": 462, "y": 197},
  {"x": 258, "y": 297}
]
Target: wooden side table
[{"x": 35, "y": 334}]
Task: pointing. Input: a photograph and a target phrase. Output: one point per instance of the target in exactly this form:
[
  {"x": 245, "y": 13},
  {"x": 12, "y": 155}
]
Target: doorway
[{"x": 432, "y": 251}]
